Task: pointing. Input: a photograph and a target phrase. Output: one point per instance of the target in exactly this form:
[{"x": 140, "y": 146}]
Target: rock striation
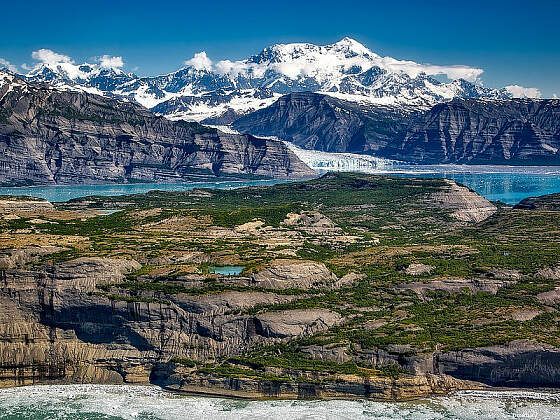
[
  {"x": 59, "y": 137},
  {"x": 464, "y": 130},
  {"x": 285, "y": 274},
  {"x": 465, "y": 204},
  {"x": 514, "y": 131}
]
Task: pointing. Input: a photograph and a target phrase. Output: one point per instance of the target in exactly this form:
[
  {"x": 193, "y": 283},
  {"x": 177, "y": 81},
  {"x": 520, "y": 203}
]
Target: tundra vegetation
[{"x": 394, "y": 266}]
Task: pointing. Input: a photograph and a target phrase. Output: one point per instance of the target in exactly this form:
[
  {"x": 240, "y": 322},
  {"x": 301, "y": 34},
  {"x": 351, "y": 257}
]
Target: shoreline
[{"x": 521, "y": 393}]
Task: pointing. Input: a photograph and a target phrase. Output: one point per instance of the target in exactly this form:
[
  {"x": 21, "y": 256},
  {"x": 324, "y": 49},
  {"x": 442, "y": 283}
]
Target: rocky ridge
[
  {"x": 545, "y": 202},
  {"x": 49, "y": 136},
  {"x": 472, "y": 131},
  {"x": 405, "y": 309}
]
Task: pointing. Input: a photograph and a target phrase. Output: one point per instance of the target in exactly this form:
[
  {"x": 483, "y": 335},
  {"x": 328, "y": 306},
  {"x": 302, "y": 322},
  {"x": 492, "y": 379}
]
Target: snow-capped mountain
[{"x": 204, "y": 89}]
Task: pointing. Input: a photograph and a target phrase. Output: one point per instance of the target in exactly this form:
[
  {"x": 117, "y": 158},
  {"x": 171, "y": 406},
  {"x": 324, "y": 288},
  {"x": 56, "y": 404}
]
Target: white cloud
[
  {"x": 108, "y": 62},
  {"x": 234, "y": 68},
  {"x": 523, "y": 92},
  {"x": 200, "y": 61},
  {"x": 316, "y": 61},
  {"x": 59, "y": 63},
  {"x": 50, "y": 57},
  {"x": 6, "y": 64},
  {"x": 413, "y": 69},
  {"x": 554, "y": 96}
]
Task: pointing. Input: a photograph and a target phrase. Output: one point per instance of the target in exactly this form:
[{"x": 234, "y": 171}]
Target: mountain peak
[{"x": 351, "y": 44}]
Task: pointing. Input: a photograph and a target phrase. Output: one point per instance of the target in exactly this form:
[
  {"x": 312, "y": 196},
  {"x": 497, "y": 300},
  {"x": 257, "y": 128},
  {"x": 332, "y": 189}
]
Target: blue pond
[{"x": 228, "y": 270}]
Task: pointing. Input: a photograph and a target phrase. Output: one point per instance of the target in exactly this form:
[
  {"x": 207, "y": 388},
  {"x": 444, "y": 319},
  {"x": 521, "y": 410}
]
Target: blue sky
[{"x": 515, "y": 42}]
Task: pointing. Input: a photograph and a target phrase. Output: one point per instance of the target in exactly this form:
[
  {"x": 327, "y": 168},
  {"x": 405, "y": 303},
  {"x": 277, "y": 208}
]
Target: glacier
[{"x": 344, "y": 162}]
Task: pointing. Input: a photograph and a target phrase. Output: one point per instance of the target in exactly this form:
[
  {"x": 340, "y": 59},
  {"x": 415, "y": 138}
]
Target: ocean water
[
  {"x": 507, "y": 187},
  {"x": 150, "y": 403}
]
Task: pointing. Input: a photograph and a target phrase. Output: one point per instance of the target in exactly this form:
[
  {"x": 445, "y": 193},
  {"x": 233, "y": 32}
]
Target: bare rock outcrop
[
  {"x": 551, "y": 273},
  {"x": 295, "y": 323},
  {"x": 419, "y": 269},
  {"x": 317, "y": 386},
  {"x": 10, "y": 205},
  {"x": 20, "y": 257},
  {"x": 86, "y": 273},
  {"x": 219, "y": 303},
  {"x": 552, "y": 297},
  {"x": 347, "y": 280},
  {"x": 456, "y": 285},
  {"x": 465, "y": 205},
  {"x": 289, "y": 274},
  {"x": 312, "y": 222}
]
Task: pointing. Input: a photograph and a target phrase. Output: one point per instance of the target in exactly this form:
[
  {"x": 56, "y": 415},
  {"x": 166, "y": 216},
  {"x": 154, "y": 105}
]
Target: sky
[{"x": 514, "y": 42}]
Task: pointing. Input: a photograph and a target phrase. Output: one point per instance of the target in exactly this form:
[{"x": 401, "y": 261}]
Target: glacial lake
[
  {"x": 509, "y": 184},
  {"x": 59, "y": 193},
  {"x": 127, "y": 402},
  {"x": 509, "y": 188}
]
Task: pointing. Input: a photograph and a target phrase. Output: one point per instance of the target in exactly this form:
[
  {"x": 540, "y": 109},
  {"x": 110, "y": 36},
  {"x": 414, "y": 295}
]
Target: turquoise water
[
  {"x": 69, "y": 402},
  {"x": 228, "y": 270},
  {"x": 507, "y": 184},
  {"x": 508, "y": 188},
  {"x": 58, "y": 193}
]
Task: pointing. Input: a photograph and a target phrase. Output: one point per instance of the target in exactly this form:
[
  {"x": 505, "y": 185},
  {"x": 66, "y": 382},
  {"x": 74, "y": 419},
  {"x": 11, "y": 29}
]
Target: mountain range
[
  {"x": 204, "y": 89},
  {"x": 335, "y": 98},
  {"x": 463, "y": 130}
]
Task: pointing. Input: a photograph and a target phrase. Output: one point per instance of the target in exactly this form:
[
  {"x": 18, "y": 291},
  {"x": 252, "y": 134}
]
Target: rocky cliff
[
  {"x": 320, "y": 122},
  {"x": 484, "y": 131},
  {"x": 49, "y": 136},
  {"x": 514, "y": 131}
]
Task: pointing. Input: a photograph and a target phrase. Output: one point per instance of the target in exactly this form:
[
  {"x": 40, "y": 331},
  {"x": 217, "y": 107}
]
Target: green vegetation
[{"x": 386, "y": 224}]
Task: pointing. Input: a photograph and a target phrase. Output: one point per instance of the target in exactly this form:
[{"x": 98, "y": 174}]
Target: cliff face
[
  {"x": 515, "y": 131},
  {"x": 56, "y": 328},
  {"x": 48, "y": 136},
  {"x": 320, "y": 122}
]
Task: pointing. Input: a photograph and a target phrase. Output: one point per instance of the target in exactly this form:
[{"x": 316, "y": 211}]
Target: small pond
[{"x": 227, "y": 270}]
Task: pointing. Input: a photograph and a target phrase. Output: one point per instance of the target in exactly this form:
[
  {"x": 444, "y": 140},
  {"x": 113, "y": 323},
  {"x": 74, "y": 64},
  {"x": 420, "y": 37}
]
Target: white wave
[{"x": 145, "y": 402}]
